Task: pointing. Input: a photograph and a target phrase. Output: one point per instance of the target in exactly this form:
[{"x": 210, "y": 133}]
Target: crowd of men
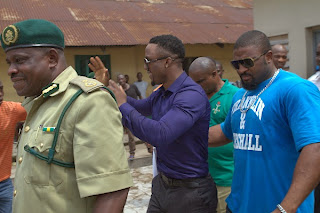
[{"x": 263, "y": 138}]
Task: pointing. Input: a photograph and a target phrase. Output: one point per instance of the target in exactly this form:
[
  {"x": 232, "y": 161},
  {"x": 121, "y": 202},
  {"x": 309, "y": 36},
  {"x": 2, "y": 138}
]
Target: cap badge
[{"x": 10, "y": 35}]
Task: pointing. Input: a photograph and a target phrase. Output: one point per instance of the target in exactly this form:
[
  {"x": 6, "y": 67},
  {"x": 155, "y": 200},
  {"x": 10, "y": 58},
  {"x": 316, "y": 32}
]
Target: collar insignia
[{"x": 52, "y": 88}]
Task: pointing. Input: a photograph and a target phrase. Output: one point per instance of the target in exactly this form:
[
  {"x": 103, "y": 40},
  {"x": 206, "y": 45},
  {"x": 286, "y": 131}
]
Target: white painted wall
[{"x": 296, "y": 18}]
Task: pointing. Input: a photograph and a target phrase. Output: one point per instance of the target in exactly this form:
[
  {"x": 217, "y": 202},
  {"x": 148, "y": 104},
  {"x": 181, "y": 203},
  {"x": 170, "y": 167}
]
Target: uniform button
[
  {"x": 27, "y": 128},
  {"x": 20, "y": 160},
  {"x": 14, "y": 193},
  {"x": 41, "y": 145}
]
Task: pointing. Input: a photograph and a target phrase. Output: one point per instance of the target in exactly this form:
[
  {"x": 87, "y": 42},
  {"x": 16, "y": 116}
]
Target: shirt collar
[
  {"x": 224, "y": 89},
  {"x": 62, "y": 79},
  {"x": 175, "y": 86}
]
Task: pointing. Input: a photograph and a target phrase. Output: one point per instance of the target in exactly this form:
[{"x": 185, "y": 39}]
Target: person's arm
[
  {"x": 306, "y": 176},
  {"x": 111, "y": 202},
  {"x": 217, "y": 137},
  {"x": 184, "y": 112},
  {"x": 100, "y": 159},
  {"x": 21, "y": 115},
  {"x": 304, "y": 123}
]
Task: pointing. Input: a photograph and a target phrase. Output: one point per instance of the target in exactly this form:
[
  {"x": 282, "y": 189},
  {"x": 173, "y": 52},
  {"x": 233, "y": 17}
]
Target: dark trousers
[
  {"x": 197, "y": 195},
  {"x": 317, "y": 199}
]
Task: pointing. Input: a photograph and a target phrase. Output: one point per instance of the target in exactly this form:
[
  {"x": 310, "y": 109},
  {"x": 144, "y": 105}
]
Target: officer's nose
[{"x": 12, "y": 69}]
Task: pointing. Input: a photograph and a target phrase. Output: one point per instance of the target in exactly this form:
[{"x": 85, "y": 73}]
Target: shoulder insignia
[
  {"x": 86, "y": 84},
  {"x": 51, "y": 88}
]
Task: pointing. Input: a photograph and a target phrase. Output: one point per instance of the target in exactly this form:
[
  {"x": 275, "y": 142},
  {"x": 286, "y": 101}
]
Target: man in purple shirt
[{"x": 178, "y": 129}]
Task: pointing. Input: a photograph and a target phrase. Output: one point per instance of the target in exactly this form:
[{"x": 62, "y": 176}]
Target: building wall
[
  {"x": 295, "y": 18},
  {"x": 128, "y": 60}
]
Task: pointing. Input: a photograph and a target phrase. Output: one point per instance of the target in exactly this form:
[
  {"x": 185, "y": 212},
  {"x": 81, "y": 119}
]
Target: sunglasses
[
  {"x": 147, "y": 61},
  {"x": 246, "y": 62}
]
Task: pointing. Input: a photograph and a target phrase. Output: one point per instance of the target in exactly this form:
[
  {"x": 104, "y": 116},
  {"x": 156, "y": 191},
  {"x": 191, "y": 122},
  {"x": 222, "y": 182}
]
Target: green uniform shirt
[
  {"x": 220, "y": 159},
  {"x": 90, "y": 136}
]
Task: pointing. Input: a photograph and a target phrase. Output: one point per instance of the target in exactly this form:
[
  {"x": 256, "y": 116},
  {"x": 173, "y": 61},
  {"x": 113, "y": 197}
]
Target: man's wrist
[{"x": 281, "y": 209}]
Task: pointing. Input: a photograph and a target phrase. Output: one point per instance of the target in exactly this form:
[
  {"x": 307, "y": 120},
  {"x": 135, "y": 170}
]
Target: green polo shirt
[{"x": 220, "y": 159}]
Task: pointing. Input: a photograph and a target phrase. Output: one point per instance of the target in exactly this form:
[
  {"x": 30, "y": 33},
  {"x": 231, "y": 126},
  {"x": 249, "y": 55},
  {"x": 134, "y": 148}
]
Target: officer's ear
[{"x": 53, "y": 57}]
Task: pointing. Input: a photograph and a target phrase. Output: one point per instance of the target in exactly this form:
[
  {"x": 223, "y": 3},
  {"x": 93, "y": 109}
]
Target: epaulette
[{"x": 87, "y": 84}]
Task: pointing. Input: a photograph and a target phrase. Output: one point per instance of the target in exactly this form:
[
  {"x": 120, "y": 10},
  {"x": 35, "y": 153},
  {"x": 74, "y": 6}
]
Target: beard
[
  {"x": 255, "y": 81},
  {"x": 249, "y": 85}
]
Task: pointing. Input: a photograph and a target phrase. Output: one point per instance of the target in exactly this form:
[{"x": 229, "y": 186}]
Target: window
[{"x": 82, "y": 61}]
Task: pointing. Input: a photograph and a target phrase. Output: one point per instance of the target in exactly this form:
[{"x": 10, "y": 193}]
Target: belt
[{"x": 189, "y": 182}]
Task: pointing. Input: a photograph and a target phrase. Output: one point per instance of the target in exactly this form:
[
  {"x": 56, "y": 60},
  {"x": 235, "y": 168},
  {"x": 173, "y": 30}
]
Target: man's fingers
[
  {"x": 112, "y": 85},
  {"x": 93, "y": 61},
  {"x": 98, "y": 60},
  {"x": 91, "y": 67}
]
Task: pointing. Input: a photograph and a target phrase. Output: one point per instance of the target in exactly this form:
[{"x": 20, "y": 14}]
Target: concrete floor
[{"x": 139, "y": 194}]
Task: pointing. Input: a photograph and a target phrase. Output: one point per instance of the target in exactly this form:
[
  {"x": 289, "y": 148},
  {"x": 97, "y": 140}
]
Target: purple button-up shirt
[{"x": 178, "y": 128}]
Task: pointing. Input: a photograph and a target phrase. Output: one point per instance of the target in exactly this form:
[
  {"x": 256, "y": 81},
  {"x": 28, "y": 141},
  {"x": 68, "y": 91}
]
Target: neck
[
  {"x": 220, "y": 84},
  {"x": 271, "y": 73},
  {"x": 171, "y": 77}
]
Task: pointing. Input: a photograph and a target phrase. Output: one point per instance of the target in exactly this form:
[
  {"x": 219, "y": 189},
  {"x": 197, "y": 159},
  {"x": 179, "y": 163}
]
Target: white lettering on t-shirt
[
  {"x": 257, "y": 107},
  {"x": 247, "y": 142}
]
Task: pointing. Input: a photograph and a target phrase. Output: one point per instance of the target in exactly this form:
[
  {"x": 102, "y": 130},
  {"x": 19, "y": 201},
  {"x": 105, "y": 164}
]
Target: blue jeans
[{"x": 6, "y": 193}]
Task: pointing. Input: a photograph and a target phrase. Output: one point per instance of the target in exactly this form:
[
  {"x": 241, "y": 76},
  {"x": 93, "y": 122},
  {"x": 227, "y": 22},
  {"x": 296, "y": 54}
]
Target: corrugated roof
[{"x": 134, "y": 22}]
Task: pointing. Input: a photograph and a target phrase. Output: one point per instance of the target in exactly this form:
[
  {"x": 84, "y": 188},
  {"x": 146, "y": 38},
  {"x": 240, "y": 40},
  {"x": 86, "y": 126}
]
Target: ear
[
  {"x": 269, "y": 56},
  {"x": 53, "y": 57},
  {"x": 214, "y": 73}
]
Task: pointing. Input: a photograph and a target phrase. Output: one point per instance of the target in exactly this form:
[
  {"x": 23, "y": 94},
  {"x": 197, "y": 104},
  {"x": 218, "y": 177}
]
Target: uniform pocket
[{"x": 39, "y": 172}]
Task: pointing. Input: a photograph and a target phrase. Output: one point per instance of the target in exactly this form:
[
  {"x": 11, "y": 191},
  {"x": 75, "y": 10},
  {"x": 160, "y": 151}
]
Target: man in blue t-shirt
[{"x": 274, "y": 123}]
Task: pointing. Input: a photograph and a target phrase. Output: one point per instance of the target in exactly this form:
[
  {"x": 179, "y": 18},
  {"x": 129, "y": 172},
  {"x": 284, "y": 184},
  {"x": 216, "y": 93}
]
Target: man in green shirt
[{"x": 219, "y": 92}]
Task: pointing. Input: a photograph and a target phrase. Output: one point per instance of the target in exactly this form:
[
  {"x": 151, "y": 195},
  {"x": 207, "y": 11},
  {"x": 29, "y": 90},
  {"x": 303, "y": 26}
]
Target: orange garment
[{"x": 10, "y": 114}]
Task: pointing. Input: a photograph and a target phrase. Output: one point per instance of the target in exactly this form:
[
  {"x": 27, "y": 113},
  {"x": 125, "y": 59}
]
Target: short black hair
[
  {"x": 253, "y": 38},
  {"x": 170, "y": 43}
]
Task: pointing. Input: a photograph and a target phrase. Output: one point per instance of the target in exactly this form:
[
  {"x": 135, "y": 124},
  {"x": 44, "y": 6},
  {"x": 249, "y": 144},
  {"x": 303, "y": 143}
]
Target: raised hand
[
  {"x": 100, "y": 71},
  {"x": 118, "y": 91}
]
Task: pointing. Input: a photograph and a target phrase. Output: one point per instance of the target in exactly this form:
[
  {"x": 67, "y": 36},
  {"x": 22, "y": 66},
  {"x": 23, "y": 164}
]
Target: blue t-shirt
[
  {"x": 268, "y": 139},
  {"x": 178, "y": 128}
]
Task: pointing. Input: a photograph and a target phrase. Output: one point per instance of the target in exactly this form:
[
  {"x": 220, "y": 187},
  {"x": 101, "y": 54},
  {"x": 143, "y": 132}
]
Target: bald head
[
  {"x": 279, "y": 55},
  {"x": 202, "y": 65},
  {"x": 220, "y": 69},
  {"x": 203, "y": 71}
]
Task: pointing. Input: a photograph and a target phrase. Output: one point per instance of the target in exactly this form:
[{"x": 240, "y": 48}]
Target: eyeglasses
[
  {"x": 246, "y": 62},
  {"x": 147, "y": 61}
]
